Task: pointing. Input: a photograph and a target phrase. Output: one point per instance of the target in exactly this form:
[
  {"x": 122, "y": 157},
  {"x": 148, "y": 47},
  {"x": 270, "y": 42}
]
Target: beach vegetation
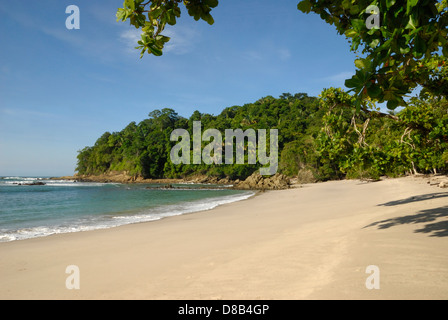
[
  {"x": 400, "y": 45},
  {"x": 319, "y": 138}
]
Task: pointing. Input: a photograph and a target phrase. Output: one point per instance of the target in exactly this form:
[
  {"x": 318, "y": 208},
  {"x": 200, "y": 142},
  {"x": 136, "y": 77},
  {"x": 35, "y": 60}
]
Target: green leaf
[
  {"x": 390, "y": 3},
  {"x": 121, "y": 15},
  {"x": 445, "y": 50},
  {"x": 155, "y": 13},
  {"x": 405, "y": 50},
  {"x": 362, "y": 75},
  {"x": 354, "y": 9},
  {"x": 155, "y": 51},
  {"x": 140, "y": 19},
  {"x": 398, "y": 11},
  {"x": 324, "y": 15},
  {"x": 419, "y": 46},
  {"x": 358, "y": 24},
  {"x": 211, "y": 3},
  {"x": 410, "y": 4},
  {"x": 374, "y": 43},
  {"x": 386, "y": 45},
  {"x": 354, "y": 82},
  {"x": 374, "y": 91},
  {"x": 162, "y": 38},
  {"x": 392, "y": 104},
  {"x": 346, "y": 4},
  {"x": 209, "y": 19},
  {"x": 372, "y": 31},
  {"x": 411, "y": 24},
  {"x": 130, "y": 4},
  {"x": 359, "y": 63},
  {"x": 385, "y": 70},
  {"x": 362, "y": 63},
  {"x": 357, "y": 104},
  {"x": 351, "y": 33},
  {"x": 304, "y": 6},
  {"x": 442, "y": 40}
]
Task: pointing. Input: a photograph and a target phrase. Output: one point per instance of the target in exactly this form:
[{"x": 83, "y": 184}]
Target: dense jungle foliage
[{"x": 324, "y": 138}]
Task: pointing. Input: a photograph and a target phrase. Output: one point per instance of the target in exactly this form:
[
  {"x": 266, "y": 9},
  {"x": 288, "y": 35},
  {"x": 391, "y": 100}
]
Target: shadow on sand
[
  {"x": 426, "y": 217},
  {"x": 422, "y": 197}
]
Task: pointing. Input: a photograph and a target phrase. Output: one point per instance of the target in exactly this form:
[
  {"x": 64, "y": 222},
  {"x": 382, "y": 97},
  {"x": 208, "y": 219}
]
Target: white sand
[{"x": 309, "y": 243}]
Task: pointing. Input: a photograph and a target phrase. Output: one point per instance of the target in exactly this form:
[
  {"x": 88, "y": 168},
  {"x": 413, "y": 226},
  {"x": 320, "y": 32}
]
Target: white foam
[
  {"x": 74, "y": 184},
  {"x": 54, "y": 183},
  {"x": 21, "y": 178},
  {"x": 104, "y": 222},
  {"x": 184, "y": 208}
]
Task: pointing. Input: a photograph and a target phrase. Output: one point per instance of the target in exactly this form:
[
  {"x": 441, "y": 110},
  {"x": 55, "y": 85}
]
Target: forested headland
[
  {"x": 320, "y": 138},
  {"x": 334, "y": 136}
]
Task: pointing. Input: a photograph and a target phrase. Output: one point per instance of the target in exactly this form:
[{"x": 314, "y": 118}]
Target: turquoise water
[{"x": 68, "y": 206}]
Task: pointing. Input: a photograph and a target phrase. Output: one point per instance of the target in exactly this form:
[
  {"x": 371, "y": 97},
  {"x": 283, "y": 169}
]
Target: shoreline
[
  {"x": 314, "y": 242},
  {"x": 253, "y": 182},
  {"x": 123, "y": 177},
  {"x": 147, "y": 215},
  {"x": 254, "y": 195}
]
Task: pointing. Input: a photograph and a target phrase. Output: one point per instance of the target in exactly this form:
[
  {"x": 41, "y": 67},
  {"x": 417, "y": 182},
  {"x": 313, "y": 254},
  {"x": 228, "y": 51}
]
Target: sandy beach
[{"x": 313, "y": 242}]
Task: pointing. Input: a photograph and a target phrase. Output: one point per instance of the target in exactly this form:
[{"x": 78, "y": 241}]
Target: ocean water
[{"x": 29, "y": 211}]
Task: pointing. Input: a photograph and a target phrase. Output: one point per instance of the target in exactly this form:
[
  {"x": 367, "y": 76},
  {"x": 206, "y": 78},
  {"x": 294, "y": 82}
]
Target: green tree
[
  {"x": 321, "y": 139},
  {"x": 407, "y": 48},
  {"x": 366, "y": 144},
  {"x": 152, "y": 16},
  {"x": 424, "y": 139}
]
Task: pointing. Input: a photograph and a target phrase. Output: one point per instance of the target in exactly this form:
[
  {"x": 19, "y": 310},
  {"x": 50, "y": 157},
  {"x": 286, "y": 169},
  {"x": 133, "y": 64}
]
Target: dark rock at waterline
[
  {"x": 164, "y": 186},
  {"x": 171, "y": 187},
  {"x": 258, "y": 182},
  {"x": 31, "y": 184}
]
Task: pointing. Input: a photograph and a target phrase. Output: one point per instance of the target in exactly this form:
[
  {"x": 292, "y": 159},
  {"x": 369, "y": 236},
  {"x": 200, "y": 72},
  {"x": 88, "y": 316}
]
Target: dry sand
[{"x": 313, "y": 242}]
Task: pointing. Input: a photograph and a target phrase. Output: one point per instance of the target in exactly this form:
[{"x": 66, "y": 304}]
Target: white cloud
[
  {"x": 182, "y": 39},
  {"x": 88, "y": 44},
  {"x": 26, "y": 113},
  {"x": 130, "y": 38},
  {"x": 267, "y": 52},
  {"x": 253, "y": 55},
  {"x": 284, "y": 54},
  {"x": 339, "y": 77},
  {"x": 62, "y": 34}
]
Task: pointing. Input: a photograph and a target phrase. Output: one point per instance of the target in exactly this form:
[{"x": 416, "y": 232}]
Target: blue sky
[{"x": 62, "y": 89}]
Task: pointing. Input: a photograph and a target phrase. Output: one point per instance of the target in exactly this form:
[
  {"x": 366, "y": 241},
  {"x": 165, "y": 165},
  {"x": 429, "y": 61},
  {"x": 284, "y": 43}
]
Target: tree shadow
[
  {"x": 422, "y": 197},
  {"x": 435, "y": 229}
]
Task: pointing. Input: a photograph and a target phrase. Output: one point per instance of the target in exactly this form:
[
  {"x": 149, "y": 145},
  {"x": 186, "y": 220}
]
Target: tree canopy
[
  {"x": 319, "y": 139},
  {"x": 152, "y": 16},
  {"x": 406, "y": 48},
  {"x": 401, "y": 45}
]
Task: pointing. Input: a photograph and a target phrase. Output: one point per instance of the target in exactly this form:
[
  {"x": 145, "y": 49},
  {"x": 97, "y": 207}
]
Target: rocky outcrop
[
  {"x": 31, "y": 184},
  {"x": 254, "y": 182},
  {"x": 203, "y": 179},
  {"x": 116, "y": 177},
  {"x": 258, "y": 182}
]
